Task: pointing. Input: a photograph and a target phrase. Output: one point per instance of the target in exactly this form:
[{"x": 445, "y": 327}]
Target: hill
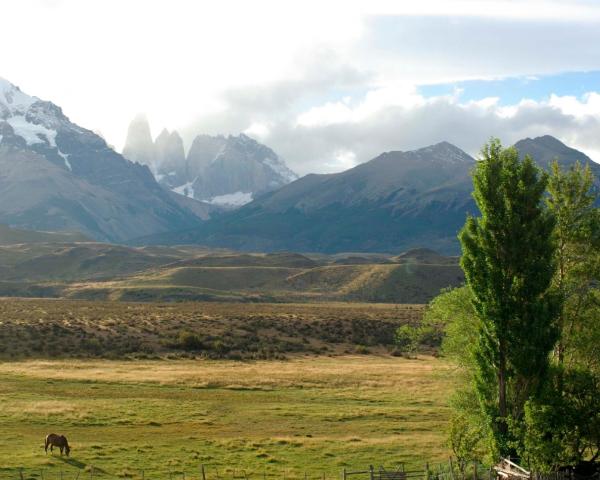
[{"x": 96, "y": 271}]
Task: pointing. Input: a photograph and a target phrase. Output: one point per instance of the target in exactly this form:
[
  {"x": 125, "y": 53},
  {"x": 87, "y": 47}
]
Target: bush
[
  {"x": 190, "y": 341},
  {"x": 407, "y": 338}
]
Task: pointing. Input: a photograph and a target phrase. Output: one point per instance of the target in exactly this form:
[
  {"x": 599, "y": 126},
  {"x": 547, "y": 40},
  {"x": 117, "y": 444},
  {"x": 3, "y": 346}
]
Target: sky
[{"x": 327, "y": 84}]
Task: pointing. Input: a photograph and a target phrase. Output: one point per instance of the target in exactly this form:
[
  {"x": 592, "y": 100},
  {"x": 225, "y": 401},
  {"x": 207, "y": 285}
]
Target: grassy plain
[{"x": 273, "y": 418}]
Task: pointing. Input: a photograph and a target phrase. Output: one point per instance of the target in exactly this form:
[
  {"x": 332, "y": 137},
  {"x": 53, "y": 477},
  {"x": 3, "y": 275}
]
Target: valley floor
[{"x": 273, "y": 418}]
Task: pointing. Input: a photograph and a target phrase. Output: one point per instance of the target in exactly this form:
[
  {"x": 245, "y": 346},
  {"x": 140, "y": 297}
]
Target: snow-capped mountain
[
  {"x": 224, "y": 171},
  {"x": 57, "y": 175}
]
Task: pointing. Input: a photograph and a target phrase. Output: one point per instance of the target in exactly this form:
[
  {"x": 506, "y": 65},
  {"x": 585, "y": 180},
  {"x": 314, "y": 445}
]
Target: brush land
[
  {"x": 274, "y": 418},
  {"x": 49, "y": 328}
]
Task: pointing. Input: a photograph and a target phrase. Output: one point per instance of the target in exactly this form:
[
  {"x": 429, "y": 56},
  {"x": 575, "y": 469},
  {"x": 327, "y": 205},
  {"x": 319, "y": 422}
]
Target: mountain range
[
  {"x": 395, "y": 202},
  {"x": 56, "y": 175},
  {"x": 225, "y": 171}
]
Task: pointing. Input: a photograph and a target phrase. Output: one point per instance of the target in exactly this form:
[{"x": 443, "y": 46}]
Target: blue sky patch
[{"x": 513, "y": 89}]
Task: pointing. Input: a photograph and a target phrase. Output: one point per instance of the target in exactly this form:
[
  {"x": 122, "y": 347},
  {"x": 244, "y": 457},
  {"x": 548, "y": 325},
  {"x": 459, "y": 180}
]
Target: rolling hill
[{"x": 98, "y": 271}]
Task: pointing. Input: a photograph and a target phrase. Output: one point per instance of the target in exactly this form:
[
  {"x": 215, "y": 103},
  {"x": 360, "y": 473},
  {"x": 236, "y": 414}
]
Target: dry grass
[{"x": 320, "y": 372}]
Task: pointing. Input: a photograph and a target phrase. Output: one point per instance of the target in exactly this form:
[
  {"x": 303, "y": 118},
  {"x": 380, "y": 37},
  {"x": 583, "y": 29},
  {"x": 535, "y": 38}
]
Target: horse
[{"x": 59, "y": 441}]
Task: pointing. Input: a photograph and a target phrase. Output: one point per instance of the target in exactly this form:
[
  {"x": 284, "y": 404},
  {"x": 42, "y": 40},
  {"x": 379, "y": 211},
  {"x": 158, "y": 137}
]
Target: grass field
[{"x": 277, "y": 418}]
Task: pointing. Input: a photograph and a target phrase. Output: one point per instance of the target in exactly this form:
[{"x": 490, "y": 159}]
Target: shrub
[{"x": 190, "y": 341}]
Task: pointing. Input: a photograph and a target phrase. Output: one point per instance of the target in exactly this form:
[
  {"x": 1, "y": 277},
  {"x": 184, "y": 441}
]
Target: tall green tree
[
  {"x": 562, "y": 426},
  {"x": 571, "y": 198},
  {"x": 509, "y": 262}
]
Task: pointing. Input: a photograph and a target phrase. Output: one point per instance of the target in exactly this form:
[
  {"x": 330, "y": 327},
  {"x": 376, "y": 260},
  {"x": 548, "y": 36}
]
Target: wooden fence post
[
  {"x": 344, "y": 474},
  {"x": 21, "y": 474},
  {"x": 371, "y": 472},
  {"x": 202, "y": 470},
  {"x": 427, "y": 471}
]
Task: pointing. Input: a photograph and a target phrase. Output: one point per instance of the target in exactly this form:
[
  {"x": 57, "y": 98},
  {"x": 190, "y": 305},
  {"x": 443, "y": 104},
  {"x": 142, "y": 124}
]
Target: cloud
[
  {"x": 338, "y": 135},
  {"x": 326, "y": 83}
]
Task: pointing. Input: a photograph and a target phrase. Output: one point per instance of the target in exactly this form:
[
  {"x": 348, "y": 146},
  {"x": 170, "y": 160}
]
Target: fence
[{"x": 444, "y": 471}]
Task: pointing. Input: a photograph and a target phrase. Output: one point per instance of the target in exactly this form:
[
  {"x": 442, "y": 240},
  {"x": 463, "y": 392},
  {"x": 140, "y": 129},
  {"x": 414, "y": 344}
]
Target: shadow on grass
[{"x": 75, "y": 463}]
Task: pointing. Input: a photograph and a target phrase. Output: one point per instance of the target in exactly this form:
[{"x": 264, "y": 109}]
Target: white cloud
[
  {"x": 320, "y": 145},
  {"x": 326, "y": 83}
]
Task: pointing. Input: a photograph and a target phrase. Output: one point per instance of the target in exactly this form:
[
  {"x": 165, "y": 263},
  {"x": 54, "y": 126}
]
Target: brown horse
[{"x": 59, "y": 441}]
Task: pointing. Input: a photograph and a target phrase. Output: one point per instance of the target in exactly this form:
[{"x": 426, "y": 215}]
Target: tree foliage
[
  {"x": 562, "y": 426},
  {"x": 508, "y": 260},
  {"x": 572, "y": 200}
]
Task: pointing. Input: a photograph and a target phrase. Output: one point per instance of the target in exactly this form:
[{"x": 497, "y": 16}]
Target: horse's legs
[{"x": 61, "y": 450}]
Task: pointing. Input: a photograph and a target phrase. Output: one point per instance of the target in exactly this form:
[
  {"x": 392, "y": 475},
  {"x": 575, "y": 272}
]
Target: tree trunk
[{"x": 502, "y": 410}]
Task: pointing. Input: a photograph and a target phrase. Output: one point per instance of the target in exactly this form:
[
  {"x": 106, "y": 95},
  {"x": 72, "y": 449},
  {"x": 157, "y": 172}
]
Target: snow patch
[
  {"x": 236, "y": 199},
  {"x": 31, "y": 132},
  {"x": 186, "y": 189},
  {"x": 14, "y": 99},
  {"x": 65, "y": 157}
]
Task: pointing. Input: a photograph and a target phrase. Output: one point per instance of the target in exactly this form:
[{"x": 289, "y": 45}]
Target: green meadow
[{"x": 257, "y": 419}]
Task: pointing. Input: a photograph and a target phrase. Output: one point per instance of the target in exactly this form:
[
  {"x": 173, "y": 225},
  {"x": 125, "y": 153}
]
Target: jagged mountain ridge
[
  {"x": 57, "y": 175},
  {"x": 397, "y": 201},
  {"x": 222, "y": 170},
  {"x": 394, "y": 202}
]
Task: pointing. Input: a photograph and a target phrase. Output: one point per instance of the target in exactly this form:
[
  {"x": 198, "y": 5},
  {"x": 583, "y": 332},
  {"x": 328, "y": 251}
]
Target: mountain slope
[
  {"x": 11, "y": 236},
  {"x": 59, "y": 176},
  {"x": 397, "y": 201}
]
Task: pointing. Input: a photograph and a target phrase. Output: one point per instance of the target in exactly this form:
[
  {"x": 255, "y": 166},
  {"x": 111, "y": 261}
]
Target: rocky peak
[
  {"x": 445, "y": 152},
  {"x": 139, "y": 146},
  {"x": 60, "y": 176}
]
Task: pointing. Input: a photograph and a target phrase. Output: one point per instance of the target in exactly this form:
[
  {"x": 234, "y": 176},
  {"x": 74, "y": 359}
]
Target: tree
[
  {"x": 571, "y": 199},
  {"x": 508, "y": 260},
  {"x": 563, "y": 428},
  {"x": 452, "y": 311}
]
